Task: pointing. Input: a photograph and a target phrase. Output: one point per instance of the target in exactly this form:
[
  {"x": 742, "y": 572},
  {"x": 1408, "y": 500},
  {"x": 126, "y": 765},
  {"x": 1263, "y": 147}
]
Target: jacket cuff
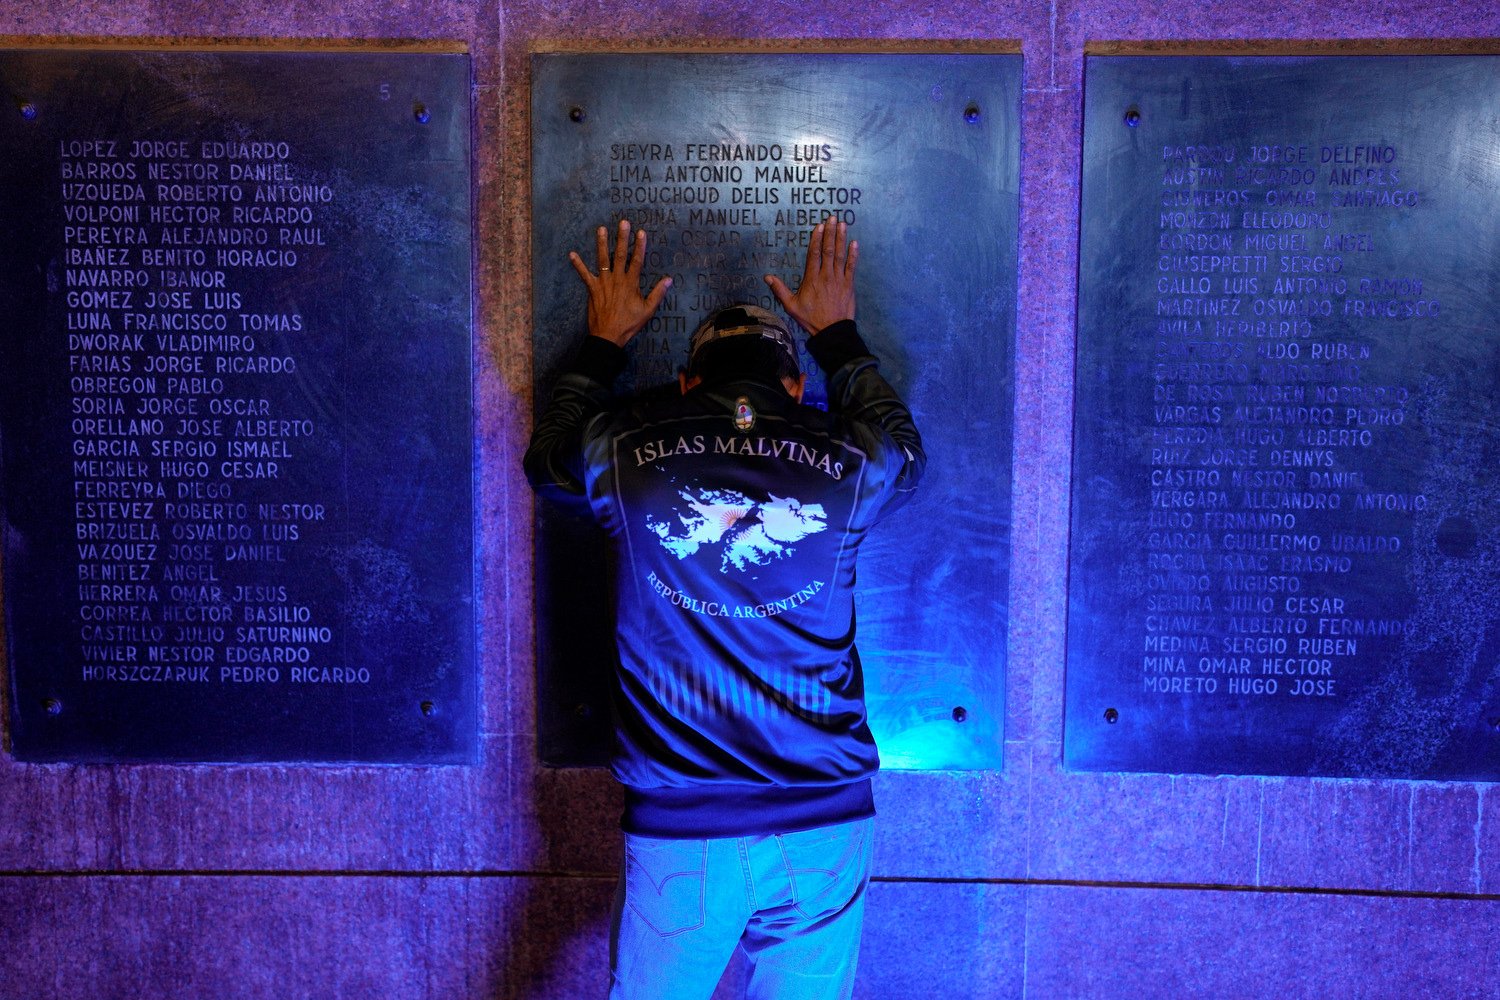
[
  {"x": 600, "y": 360},
  {"x": 836, "y": 345}
]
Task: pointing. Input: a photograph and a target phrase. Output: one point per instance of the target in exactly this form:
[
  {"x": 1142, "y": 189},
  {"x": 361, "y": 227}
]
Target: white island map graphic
[{"x": 749, "y": 532}]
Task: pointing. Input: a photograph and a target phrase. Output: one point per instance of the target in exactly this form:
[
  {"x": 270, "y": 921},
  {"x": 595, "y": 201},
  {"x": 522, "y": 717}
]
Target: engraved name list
[
  {"x": 1264, "y": 411},
  {"x": 720, "y": 216},
  {"x": 189, "y": 519}
]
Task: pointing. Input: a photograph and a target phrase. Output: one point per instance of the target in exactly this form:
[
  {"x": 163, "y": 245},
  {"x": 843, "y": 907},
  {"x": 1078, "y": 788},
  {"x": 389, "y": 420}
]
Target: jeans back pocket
[
  {"x": 826, "y": 866},
  {"x": 664, "y": 882}
]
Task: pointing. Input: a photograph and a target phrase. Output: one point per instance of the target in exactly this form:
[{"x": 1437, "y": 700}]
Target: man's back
[{"x": 737, "y": 515}]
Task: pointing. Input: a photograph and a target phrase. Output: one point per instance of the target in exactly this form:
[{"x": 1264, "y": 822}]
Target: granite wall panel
[
  {"x": 1051, "y": 120},
  {"x": 69, "y": 817},
  {"x": 424, "y": 938},
  {"x": 963, "y": 824},
  {"x": 1347, "y": 834},
  {"x": 238, "y": 936},
  {"x": 1108, "y": 827},
  {"x": 1486, "y": 866},
  {"x": 1445, "y": 844},
  {"x": 130, "y": 881},
  {"x": 1118, "y": 943}
]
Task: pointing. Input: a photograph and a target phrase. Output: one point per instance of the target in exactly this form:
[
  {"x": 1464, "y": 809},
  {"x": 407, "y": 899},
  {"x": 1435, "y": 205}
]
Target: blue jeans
[{"x": 795, "y": 902}]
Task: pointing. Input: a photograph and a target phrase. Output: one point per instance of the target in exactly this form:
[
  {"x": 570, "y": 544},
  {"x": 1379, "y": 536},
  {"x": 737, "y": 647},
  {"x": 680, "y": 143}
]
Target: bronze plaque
[
  {"x": 235, "y": 404},
  {"x": 1284, "y": 549},
  {"x": 728, "y": 161}
]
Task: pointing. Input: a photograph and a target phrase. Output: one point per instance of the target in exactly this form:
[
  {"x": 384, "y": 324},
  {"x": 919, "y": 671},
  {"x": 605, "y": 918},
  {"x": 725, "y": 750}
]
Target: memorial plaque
[
  {"x": 236, "y": 408},
  {"x": 1284, "y": 557},
  {"x": 728, "y": 161}
]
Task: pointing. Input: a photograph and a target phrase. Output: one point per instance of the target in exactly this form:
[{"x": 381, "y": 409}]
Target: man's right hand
[{"x": 826, "y": 293}]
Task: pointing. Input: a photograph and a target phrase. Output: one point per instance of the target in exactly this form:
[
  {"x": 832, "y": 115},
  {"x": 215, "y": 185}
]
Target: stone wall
[{"x": 495, "y": 880}]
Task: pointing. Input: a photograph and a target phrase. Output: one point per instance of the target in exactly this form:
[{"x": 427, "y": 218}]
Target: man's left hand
[{"x": 617, "y": 310}]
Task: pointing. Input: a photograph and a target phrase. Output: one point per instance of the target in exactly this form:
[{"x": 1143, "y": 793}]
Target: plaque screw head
[
  {"x": 421, "y": 114},
  {"x": 971, "y": 114},
  {"x": 52, "y": 706},
  {"x": 428, "y": 708},
  {"x": 1111, "y": 716},
  {"x": 583, "y": 710},
  {"x": 28, "y": 110},
  {"x": 960, "y": 714},
  {"x": 577, "y": 114},
  {"x": 1132, "y": 116}
]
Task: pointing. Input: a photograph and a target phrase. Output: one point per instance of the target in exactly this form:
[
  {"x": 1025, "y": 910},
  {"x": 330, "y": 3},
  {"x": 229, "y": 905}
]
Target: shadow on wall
[
  {"x": 555, "y": 927},
  {"x": 6, "y": 740}
]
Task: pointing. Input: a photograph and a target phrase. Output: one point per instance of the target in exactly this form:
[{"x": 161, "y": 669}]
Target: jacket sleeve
[
  {"x": 554, "y": 458},
  {"x": 858, "y": 392}
]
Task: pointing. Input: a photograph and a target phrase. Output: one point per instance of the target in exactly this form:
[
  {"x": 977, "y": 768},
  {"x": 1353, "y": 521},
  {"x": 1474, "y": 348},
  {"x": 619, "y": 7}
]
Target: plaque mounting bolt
[
  {"x": 960, "y": 714},
  {"x": 53, "y": 706},
  {"x": 1132, "y": 116},
  {"x": 583, "y": 710},
  {"x": 28, "y": 110},
  {"x": 420, "y": 113},
  {"x": 577, "y": 114},
  {"x": 428, "y": 708},
  {"x": 1111, "y": 716},
  {"x": 971, "y": 114}
]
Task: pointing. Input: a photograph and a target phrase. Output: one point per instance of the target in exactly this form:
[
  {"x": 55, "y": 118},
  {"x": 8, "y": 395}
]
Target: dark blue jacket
[{"x": 737, "y": 515}]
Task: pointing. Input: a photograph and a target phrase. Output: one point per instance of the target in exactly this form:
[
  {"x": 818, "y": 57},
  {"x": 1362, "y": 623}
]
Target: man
[{"x": 736, "y": 513}]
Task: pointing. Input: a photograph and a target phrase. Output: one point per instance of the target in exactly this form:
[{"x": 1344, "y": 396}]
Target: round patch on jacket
[{"x": 744, "y": 414}]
